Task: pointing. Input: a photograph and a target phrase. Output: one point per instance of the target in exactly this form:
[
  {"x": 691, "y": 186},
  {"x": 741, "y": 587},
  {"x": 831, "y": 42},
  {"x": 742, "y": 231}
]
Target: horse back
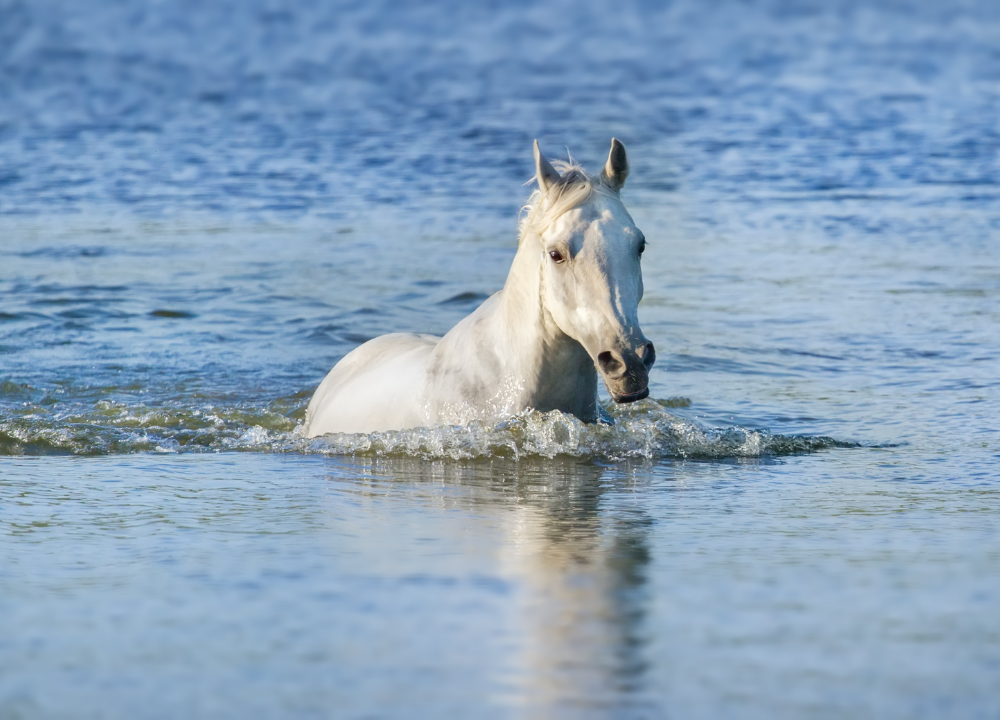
[{"x": 375, "y": 387}]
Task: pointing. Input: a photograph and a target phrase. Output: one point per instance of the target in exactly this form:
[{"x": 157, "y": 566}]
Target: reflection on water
[
  {"x": 582, "y": 605},
  {"x": 577, "y": 615},
  {"x": 305, "y": 586}
]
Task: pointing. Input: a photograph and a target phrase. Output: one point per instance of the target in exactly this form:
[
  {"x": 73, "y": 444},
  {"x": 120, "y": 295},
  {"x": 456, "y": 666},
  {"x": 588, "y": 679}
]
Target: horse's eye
[
  {"x": 642, "y": 249},
  {"x": 556, "y": 256}
]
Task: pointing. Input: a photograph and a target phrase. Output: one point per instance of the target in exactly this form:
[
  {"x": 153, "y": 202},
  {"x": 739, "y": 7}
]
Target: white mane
[{"x": 573, "y": 189}]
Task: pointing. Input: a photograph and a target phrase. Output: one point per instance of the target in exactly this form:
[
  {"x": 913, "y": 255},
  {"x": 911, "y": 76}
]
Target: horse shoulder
[{"x": 467, "y": 370}]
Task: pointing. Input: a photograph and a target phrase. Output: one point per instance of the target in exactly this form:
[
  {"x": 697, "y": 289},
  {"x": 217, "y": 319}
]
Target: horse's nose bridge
[
  {"x": 626, "y": 338},
  {"x": 616, "y": 304},
  {"x": 625, "y": 319},
  {"x": 630, "y": 336}
]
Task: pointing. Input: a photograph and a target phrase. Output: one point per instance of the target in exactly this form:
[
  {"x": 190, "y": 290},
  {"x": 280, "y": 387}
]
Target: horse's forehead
[
  {"x": 607, "y": 219},
  {"x": 601, "y": 216},
  {"x": 613, "y": 212}
]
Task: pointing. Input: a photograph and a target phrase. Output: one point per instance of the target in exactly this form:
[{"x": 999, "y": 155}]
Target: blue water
[{"x": 204, "y": 205}]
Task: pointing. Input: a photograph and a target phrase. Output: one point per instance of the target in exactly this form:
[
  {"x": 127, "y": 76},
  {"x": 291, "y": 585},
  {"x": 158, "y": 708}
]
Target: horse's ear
[
  {"x": 544, "y": 172},
  {"x": 616, "y": 168}
]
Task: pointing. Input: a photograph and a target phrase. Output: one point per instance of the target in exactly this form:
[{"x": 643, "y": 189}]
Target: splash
[{"x": 642, "y": 430}]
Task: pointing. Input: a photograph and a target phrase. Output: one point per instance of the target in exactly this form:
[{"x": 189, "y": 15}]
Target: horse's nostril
[
  {"x": 610, "y": 365},
  {"x": 648, "y": 355}
]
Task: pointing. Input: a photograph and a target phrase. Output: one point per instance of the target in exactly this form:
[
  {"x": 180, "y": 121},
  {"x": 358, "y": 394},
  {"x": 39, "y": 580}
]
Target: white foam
[{"x": 644, "y": 430}]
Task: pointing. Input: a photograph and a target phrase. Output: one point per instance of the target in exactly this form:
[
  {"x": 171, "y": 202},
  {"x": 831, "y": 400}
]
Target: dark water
[{"x": 204, "y": 205}]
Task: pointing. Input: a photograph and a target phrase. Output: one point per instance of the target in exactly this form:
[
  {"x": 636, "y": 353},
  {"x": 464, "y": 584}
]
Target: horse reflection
[{"x": 576, "y": 555}]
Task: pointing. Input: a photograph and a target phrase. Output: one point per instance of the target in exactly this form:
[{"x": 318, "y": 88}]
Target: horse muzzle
[{"x": 626, "y": 374}]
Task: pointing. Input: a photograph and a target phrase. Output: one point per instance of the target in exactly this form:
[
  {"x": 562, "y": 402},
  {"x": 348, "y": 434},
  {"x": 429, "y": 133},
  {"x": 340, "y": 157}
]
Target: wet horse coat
[{"x": 567, "y": 312}]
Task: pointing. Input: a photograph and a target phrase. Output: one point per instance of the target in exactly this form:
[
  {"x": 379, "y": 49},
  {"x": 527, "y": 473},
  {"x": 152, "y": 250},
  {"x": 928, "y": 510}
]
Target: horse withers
[{"x": 567, "y": 312}]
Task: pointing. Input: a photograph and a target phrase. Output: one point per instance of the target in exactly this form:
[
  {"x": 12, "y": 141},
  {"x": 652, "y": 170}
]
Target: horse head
[{"x": 591, "y": 275}]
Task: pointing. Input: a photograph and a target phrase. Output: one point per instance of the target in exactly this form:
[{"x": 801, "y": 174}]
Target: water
[{"x": 204, "y": 205}]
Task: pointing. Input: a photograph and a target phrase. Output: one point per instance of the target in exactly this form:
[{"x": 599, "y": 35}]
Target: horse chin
[{"x": 630, "y": 397}]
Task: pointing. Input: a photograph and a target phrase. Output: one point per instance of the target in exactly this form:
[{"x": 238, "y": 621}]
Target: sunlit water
[{"x": 204, "y": 205}]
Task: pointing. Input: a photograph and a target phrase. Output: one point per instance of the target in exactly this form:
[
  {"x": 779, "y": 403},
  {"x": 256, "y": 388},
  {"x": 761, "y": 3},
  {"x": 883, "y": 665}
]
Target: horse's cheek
[{"x": 565, "y": 303}]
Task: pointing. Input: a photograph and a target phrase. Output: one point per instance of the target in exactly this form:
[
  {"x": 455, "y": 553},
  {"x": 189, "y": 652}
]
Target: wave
[{"x": 646, "y": 429}]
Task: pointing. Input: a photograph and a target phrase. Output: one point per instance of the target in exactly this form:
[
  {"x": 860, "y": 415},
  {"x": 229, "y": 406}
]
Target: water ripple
[{"x": 643, "y": 430}]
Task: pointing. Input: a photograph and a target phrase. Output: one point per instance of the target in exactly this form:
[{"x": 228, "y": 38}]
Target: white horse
[{"x": 566, "y": 312}]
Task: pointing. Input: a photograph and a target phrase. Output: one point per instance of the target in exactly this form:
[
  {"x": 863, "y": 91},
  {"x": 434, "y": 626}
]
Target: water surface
[{"x": 204, "y": 205}]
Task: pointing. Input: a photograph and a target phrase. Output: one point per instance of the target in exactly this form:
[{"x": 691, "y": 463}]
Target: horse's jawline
[{"x": 631, "y": 397}]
